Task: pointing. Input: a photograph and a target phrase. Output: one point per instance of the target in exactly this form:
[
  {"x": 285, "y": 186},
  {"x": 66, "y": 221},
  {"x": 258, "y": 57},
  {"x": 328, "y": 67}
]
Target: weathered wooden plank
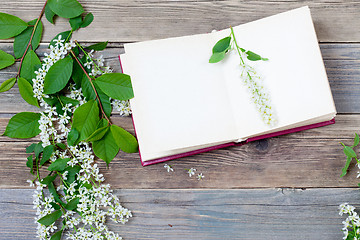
[
  {"x": 342, "y": 63},
  {"x": 206, "y": 214},
  {"x": 126, "y": 20},
  {"x": 311, "y": 158}
]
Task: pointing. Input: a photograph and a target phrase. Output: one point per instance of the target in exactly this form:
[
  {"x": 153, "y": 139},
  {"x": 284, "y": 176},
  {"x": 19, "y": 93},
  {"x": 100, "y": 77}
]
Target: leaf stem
[
  {"x": 92, "y": 85},
  {"x": 237, "y": 46},
  {"x": 87, "y": 55},
  {"x": 31, "y": 37}
]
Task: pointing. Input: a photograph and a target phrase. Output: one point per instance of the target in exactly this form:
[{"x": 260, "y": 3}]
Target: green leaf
[
  {"x": 10, "y": 26},
  {"x": 21, "y": 41},
  {"x": 105, "y": 101},
  {"x": 26, "y": 92},
  {"x": 49, "y": 14},
  {"x": 254, "y": 57},
  {"x": 49, "y": 179},
  {"x": 58, "y": 75},
  {"x": 30, "y": 163},
  {"x": 31, "y": 148},
  {"x": 72, "y": 171},
  {"x": 116, "y": 85},
  {"x": 98, "y": 46},
  {"x": 27, "y": 71},
  {"x": 64, "y": 36},
  {"x": 345, "y": 168},
  {"x": 61, "y": 145},
  {"x": 217, "y": 57},
  {"x": 356, "y": 140},
  {"x": 50, "y": 218},
  {"x": 59, "y": 164},
  {"x": 77, "y": 74},
  {"x": 66, "y": 100},
  {"x": 23, "y": 125},
  {"x": 349, "y": 152},
  {"x": 75, "y": 22},
  {"x": 222, "y": 45},
  {"x": 53, "y": 192},
  {"x": 72, "y": 204},
  {"x": 87, "y": 20},
  {"x": 66, "y": 8},
  {"x": 7, "y": 85},
  {"x": 102, "y": 123},
  {"x": 87, "y": 89},
  {"x": 106, "y": 148},
  {"x": 38, "y": 149},
  {"x": 57, "y": 235},
  {"x": 6, "y": 59},
  {"x": 98, "y": 134},
  {"x": 124, "y": 139},
  {"x": 85, "y": 119},
  {"x": 73, "y": 136},
  {"x": 48, "y": 151}
]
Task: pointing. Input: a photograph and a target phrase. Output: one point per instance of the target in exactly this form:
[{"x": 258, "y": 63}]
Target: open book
[{"x": 185, "y": 105}]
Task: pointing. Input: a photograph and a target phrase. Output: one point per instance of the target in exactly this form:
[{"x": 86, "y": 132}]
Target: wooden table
[{"x": 286, "y": 187}]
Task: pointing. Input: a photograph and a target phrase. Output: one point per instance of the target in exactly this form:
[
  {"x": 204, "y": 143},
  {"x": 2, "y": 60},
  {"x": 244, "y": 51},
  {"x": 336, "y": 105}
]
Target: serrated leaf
[
  {"x": 26, "y": 92},
  {"x": 105, "y": 101},
  {"x": 116, "y": 85},
  {"x": 49, "y": 14},
  {"x": 222, "y": 45},
  {"x": 30, "y": 61},
  {"x": 77, "y": 74},
  {"x": 59, "y": 164},
  {"x": 73, "y": 136},
  {"x": 87, "y": 20},
  {"x": 106, "y": 148},
  {"x": 6, "y": 59},
  {"x": 98, "y": 134},
  {"x": 72, "y": 204},
  {"x": 57, "y": 235},
  {"x": 66, "y": 8},
  {"x": 23, "y": 125},
  {"x": 75, "y": 22},
  {"x": 11, "y": 26},
  {"x": 124, "y": 139},
  {"x": 87, "y": 89},
  {"x": 254, "y": 57},
  {"x": 345, "y": 168},
  {"x": 47, "y": 152},
  {"x": 58, "y": 75},
  {"x": 50, "y": 218},
  {"x": 31, "y": 148},
  {"x": 22, "y": 40},
  {"x": 98, "y": 46},
  {"x": 49, "y": 179},
  {"x": 356, "y": 140},
  {"x": 217, "y": 57},
  {"x": 64, "y": 36},
  {"x": 53, "y": 192},
  {"x": 86, "y": 118},
  {"x": 7, "y": 85}
]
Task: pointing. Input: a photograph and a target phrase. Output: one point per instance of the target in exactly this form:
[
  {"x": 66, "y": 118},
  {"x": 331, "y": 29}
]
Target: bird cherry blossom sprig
[
  {"x": 76, "y": 94},
  {"x": 250, "y": 77},
  {"x": 351, "y": 228}
]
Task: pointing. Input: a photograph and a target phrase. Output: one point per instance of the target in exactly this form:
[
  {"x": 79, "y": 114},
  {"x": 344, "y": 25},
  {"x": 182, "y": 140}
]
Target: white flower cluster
[
  {"x": 259, "y": 94},
  {"x": 96, "y": 203},
  {"x": 352, "y": 222}
]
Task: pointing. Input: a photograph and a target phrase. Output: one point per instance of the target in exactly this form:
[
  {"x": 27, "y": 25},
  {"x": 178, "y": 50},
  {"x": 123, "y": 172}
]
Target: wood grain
[
  {"x": 311, "y": 158},
  {"x": 289, "y": 214},
  {"x": 128, "y": 21},
  {"x": 342, "y": 62}
]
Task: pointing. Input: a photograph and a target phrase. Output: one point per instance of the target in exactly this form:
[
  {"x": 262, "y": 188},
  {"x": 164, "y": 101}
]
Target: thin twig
[
  {"x": 32, "y": 35},
  {"x": 92, "y": 85}
]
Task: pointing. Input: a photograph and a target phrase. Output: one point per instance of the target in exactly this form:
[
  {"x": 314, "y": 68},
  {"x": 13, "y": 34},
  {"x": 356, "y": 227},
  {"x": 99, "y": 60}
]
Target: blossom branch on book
[{"x": 250, "y": 77}]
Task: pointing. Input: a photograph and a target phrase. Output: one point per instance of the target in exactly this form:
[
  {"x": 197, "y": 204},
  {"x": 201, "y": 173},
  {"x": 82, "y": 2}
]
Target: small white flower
[
  {"x": 31, "y": 183},
  {"x": 200, "y": 176},
  {"x": 168, "y": 168},
  {"x": 191, "y": 172}
]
